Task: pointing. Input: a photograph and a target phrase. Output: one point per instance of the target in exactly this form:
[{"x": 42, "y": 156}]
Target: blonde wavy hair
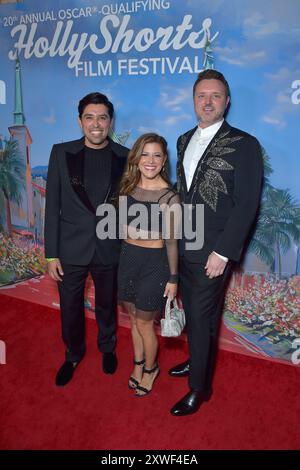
[{"x": 132, "y": 175}]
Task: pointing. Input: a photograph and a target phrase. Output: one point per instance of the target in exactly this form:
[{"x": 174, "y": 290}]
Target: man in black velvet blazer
[
  {"x": 82, "y": 175},
  {"x": 221, "y": 168}
]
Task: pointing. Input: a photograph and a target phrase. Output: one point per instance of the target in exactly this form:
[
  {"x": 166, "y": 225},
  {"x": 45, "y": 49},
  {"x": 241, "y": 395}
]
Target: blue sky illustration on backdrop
[{"x": 257, "y": 49}]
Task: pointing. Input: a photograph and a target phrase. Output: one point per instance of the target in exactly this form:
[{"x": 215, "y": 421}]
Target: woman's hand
[{"x": 170, "y": 290}]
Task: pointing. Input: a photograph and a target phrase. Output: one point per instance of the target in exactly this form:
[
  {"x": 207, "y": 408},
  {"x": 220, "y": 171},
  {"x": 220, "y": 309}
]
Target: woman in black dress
[{"x": 148, "y": 269}]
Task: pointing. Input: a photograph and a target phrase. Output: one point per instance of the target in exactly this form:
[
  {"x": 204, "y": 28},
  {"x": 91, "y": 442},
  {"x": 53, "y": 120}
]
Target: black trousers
[
  {"x": 71, "y": 292},
  {"x": 203, "y": 300}
]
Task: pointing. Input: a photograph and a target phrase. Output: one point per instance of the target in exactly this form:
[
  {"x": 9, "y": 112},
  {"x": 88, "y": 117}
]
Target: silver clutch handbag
[{"x": 174, "y": 321}]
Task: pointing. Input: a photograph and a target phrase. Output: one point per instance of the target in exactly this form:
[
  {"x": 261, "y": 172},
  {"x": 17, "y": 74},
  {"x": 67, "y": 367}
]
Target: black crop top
[{"x": 154, "y": 215}]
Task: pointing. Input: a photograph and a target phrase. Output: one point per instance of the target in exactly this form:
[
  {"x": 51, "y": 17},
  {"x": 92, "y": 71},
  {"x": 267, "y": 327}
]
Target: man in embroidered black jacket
[
  {"x": 83, "y": 174},
  {"x": 220, "y": 167}
]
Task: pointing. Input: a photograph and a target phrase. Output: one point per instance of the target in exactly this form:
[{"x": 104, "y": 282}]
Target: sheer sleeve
[
  {"x": 168, "y": 204},
  {"x": 171, "y": 208}
]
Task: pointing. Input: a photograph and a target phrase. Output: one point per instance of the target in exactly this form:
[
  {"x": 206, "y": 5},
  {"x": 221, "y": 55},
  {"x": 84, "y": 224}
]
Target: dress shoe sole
[
  {"x": 180, "y": 374},
  {"x": 181, "y": 370},
  {"x": 185, "y": 413}
]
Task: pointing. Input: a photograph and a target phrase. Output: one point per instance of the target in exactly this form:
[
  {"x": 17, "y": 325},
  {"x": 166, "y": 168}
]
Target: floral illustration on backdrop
[{"x": 268, "y": 309}]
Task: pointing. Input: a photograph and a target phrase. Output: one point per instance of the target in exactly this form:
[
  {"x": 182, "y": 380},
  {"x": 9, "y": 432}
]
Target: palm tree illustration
[
  {"x": 12, "y": 179},
  {"x": 278, "y": 226},
  {"x": 278, "y": 223},
  {"x": 259, "y": 244}
]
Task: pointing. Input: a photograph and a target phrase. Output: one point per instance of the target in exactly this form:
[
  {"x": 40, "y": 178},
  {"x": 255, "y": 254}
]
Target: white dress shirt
[
  {"x": 194, "y": 152},
  {"x": 196, "y": 148}
]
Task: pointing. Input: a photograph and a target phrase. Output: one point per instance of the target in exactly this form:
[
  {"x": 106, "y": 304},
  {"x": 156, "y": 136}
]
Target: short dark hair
[
  {"x": 95, "y": 98},
  {"x": 211, "y": 74}
]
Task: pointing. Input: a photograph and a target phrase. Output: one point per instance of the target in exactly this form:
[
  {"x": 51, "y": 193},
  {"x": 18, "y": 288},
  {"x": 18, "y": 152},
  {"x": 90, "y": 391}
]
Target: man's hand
[
  {"x": 215, "y": 266},
  {"x": 55, "y": 270}
]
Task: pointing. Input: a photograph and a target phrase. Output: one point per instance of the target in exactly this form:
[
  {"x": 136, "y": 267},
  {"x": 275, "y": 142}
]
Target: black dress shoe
[
  {"x": 190, "y": 403},
  {"x": 181, "y": 370},
  {"x": 65, "y": 373},
  {"x": 109, "y": 362}
]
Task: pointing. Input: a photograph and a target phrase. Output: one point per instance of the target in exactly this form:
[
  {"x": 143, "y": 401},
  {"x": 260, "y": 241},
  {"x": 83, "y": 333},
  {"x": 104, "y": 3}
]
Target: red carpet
[{"x": 255, "y": 404}]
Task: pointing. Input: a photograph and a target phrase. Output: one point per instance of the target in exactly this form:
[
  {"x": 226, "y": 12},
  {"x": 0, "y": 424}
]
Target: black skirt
[{"x": 142, "y": 277}]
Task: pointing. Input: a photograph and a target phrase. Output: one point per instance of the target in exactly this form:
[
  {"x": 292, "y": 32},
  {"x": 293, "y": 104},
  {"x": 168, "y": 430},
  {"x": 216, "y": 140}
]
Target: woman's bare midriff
[{"x": 146, "y": 243}]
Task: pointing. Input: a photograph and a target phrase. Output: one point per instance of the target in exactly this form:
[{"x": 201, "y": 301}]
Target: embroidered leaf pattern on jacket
[
  {"x": 218, "y": 151},
  {"x": 208, "y": 180},
  {"x": 219, "y": 164},
  {"x": 229, "y": 140},
  {"x": 209, "y": 188},
  {"x": 208, "y": 194},
  {"x": 211, "y": 183}
]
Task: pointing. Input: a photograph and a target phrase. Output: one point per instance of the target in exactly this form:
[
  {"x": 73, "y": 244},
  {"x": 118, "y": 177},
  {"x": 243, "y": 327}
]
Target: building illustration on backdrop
[
  {"x": 22, "y": 213},
  {"x": 262, "y": 306},
  {"x": 27, "y": 217},
  {"x": 208, "y": 62}
]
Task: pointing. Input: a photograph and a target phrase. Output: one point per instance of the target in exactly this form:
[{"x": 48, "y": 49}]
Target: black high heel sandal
[
  {"x": 133, "y": 382},
  {"x": 146, "y": 391}
]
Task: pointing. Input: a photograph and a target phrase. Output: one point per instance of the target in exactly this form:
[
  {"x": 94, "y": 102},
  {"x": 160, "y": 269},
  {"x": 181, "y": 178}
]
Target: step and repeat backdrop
[{"x": 145, "y": 56}]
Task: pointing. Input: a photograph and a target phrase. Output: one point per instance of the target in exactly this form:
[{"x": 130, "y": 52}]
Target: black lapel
[
  {"x": 184, "y": 141},
  {"x": 118, "y": 163},
  {"x": 75, "y": 164},
  {"x": 117, "y": 168}
]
